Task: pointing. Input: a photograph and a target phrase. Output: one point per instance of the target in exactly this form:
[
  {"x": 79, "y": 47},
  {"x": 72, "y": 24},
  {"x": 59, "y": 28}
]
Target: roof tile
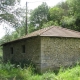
[{"x": 55, "y": 31}]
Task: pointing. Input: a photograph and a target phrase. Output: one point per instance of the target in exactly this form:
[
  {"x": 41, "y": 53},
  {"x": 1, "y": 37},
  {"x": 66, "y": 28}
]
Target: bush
[
  {"x": 70, "y": 74},
  {"x": 9, "y": 72}
]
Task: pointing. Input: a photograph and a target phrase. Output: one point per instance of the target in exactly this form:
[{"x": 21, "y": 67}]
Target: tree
[
  {"x": 74, "y": 8},
  {"x": 39, "y": 15},
  {"x": 10, "y": 12},
  {"x": 56, "y": 14},
  {"x": 64, "y": 6},
  {"x": 68, "y": 22}
]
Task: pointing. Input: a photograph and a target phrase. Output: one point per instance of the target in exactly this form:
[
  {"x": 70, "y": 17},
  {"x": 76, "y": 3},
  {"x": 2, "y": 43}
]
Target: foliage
[
  {"x": 68, "y": 22},
  {"x": 65, "y": 7},
  {"x": 70, "y": 74},
  {"x": 74, "y": 9},
  {"x": 11, "y": 12},
  {"x": 50, "y": 23},
  {"x": 14, "y": 35},
  {"x": 56, "y": 14},
  {"x": 9, "y": 72},
  {"x": 39, "y": 15}
]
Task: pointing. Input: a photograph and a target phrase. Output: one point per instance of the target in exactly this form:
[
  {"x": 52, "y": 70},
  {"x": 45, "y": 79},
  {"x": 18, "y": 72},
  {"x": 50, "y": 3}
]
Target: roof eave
[{"x": 18, "y": 40}]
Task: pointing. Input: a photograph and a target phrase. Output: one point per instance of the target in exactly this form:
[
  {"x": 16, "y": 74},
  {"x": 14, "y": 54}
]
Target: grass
[
  {"x": 9, "y": 72},
  {"x": 70, "y": 74}
]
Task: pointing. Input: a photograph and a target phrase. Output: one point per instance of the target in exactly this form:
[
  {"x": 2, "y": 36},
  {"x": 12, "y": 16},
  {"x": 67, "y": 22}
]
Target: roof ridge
[
  {"x": 38, "y": 34},
  {"x": 48, "y": 28}
]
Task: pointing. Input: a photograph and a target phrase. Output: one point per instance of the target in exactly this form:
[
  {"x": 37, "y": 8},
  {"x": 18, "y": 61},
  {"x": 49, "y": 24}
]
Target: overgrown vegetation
[{"x": 9, "y": 72}]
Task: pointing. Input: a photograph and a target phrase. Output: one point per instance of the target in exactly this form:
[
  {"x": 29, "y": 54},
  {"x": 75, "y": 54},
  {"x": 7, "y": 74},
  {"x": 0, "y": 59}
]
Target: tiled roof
[{"x": 53, "y": 31}]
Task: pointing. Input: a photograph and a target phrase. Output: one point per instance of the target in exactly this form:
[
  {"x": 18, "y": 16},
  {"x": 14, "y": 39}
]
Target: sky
[{"x": 32, "y": 4}]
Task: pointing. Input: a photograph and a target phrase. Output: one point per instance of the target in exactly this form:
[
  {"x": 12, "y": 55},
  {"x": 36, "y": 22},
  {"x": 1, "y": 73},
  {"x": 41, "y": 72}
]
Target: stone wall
[
  {"x": 45, "y": 52},
  {"x": 57, "y": 52},
  {"x": 32, "y": 51}
]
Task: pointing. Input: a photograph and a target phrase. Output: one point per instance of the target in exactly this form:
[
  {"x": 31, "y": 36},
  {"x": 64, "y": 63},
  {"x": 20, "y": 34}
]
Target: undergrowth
[{"x": 10, "y": 72}]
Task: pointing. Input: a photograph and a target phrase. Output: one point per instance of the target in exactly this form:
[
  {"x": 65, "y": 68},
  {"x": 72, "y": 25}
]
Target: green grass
[
  {"x": 70, "y": 74},
  {"x": 9, "y": 72}
]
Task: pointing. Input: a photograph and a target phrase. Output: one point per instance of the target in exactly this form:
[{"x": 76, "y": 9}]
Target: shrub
[{"x": 8, "y": 71}]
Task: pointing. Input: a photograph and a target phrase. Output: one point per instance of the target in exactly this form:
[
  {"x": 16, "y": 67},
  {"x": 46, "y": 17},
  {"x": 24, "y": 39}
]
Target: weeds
[{"x": 9, "y": 72}]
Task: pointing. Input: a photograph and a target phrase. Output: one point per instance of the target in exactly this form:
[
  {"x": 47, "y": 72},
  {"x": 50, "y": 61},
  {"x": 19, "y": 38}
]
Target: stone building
[{"x": 48, "y": 48}]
